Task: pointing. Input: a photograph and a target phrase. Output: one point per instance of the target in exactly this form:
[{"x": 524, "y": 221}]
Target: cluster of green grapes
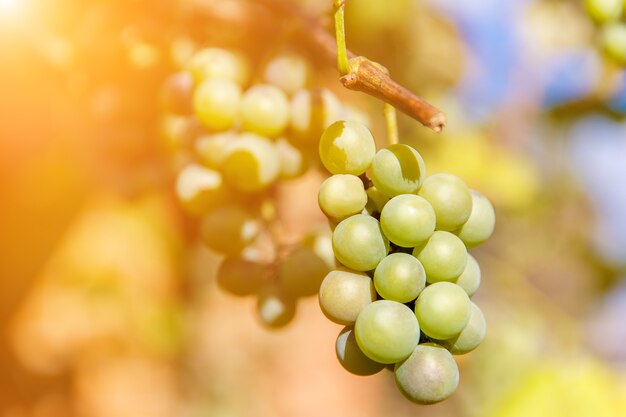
[
  {"x": 405, "y": 286},
  {"x": 610, "y": 16},
  {"x": 236, "y": 141}
]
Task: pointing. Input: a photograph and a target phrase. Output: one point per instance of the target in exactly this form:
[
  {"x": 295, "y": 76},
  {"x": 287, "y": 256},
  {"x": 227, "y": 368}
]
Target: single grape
[
  {"x": 429, "y": 375},
  {"x": 275, "y": 307},
  {"x": 347, "y": 148},
  {"x": 450, "y": 198},
  {"x": 321, "y": 243},
  {"x": 342, "y": 196},
  {"x": 613, "y": 41},
  {"x": 288, "y": 71},
  {"x": 375, "y": 201},
  {"x": 240, "y": 277},
  {"x": 312, "y": 111},
  {"x": 215, "y": 63},
  {"x": 216, "y": 103},
  {"x": 443, "y": 310},
  {"x": 443, "y": 256},
  {"x": 603, "y": 11},
  {"x": 359, "y": 242},
  {"x": 292, "y": 160},
  {"x": 351, "y": 357},
  {"x": 177, "y": 93},
  {"x": 472, "y": 334},
  {"x": 408, "y": 220},
  {"x": 398, "y": 169},
  {"x": 212, "y": 149},
  {"x": 200, "y": 189},
  {"x": 469, "y": 280},
  {"x": 344, "y": 293},
  {"x": 252, "y": 163},
  {"x": 228, "y": 229},
  {"x": 265, "y": 110},
  {"x": 387, "y": 331},
  {"x": 479, "y": 227},
  {"x": 399, "y": 277},
  {"x": 302, "y": 272}
]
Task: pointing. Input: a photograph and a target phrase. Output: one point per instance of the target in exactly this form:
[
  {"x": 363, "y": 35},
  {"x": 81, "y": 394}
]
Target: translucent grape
[
  {"x": 443, "y": 310},
  {"x": 399, "y": 277},
  {"x": 292, "y": 161},
  {"x": 199, "y": 189},
  {"x": 342, "y": 196},
  {"x": 351, "y": 357},
  {"x": 347, "y": 148},
  {"x": 216, "y": 103},
  {"x": 344, "y": 293},
  {"x": 302, "y": 272},
  {"x": 469, "y": 280},
  {"x": 429, "y": 375},
  {"x": 215, "y": 63},
  {"x": 443, "y": 256},
  {"x": 398, "y": 169},
  {"x": 212, "y": 149},
  {"x": 408, "y": 220},
  {"x": 359, "y": 242},
  {"x": 240, "y": 277},
  {"x": 387, "y": 331},
  {"x": 603, "y": 11},
  {"x": 265, "y": 110},
  {"x": 252, "y": 163},
  {"x": 450, "y": 198},
  {"x": 312, "y": 111},
  {"x": 229, "y": 229},
  {"x": 275, "y": 307},
  {"x": 472, "y": 334},
  {"x": 479, "y": 227},
  {"x": 288, "y": 71},
  {"x": 613, "y": 41}
]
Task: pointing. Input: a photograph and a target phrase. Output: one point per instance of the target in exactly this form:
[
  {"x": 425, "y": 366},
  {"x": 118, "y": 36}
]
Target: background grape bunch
[
  {"x": 406, "y": 279},
  {"x": 610, "y": 17}
]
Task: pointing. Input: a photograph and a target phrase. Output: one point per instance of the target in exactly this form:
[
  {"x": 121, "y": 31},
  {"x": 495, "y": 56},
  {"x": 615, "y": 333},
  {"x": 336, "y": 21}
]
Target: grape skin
[
  {"x": 443, "y": 256},
  {"x": 359, "y": 242},
  {"x": 288, "y": 71},
  {"x": 351, "y": 357},
  {"x": 471, "y": 336},
  {"x": 228, "y": 229},
  {"x": 201, "y": 189},
  {"x": 347, "y": 148},
  {"x": 443, "y": 310},
  {"x": 252, "y": 163},
  {"x": 216, "y": 63},
  {"x": 212, "y": 149},
  {"x": 344, "y": 293},
  {"x": 602, "y": 11},
  {"x": 302, "y": 272},
  {"x": 292, "y": 160},
  {"x": 398, "y": 169},
  {"x": 216, "y": 103},
  {"x": 469, "y": 280},
  {"x": 399, "y": 277},
  {"x": 312, "y": 111},
  {"x": 264, "y": 110},
  {"x": 482, "y": 220},
  {"x": 613, "y": 41},
  {"x": 408, "y": 220},
  {"x": 275, "y": 308},
  {"x": 450, "y": 198},
  {"x": 239, "y": 276},
  {"x": 342, "y": 196}
]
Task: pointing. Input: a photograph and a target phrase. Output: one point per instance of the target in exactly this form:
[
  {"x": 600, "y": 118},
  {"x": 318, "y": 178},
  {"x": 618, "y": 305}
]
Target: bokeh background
[{"x": 109, "y": 308}]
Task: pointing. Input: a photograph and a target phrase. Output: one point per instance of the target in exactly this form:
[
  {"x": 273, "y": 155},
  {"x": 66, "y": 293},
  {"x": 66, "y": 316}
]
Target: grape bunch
[
  {"x": 610, "y": 17},
  {"x": 235, "y": 143},
  {"x": 406, "y": 279}
]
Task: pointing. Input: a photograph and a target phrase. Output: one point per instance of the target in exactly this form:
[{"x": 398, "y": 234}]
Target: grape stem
[
  {"x": 340, "y": 35},
  {"x": 392, "y": 124}
]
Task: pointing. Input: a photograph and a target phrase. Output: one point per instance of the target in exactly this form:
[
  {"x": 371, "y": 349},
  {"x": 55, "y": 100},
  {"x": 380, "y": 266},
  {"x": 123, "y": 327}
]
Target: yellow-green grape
[
  {"x": 399, "y": 277},
  {"x": 292, "y": 160},
  {"x": 229, "y": 229},
  {"x": 212, "y": 149},
  {"x": 482, "y": 220},
  {"x": 443, "y": 310},
  {"x": 398, "y": 169},
  {"x": 359, "y": 242},
  {"x": 252, "y": 163},
  {"x": 387, "y": 331},
  {"x": 450, "y": 198},
  {"x": 443, "y": 256},
  {"x": 347, "y": 148},
  {"x": 408, "y": 220},
  {"x": 603, "y": 11},
  {"x": 302, "y": 272},
  {"x": 288, "y": 71},
  {"x": 429, "y": 375},
  {"x": 613, "y": 41},
  {"x": 312, "y": 111},
  {"x": 469, "y": 280},
  {"x": 344, "y": 293},
  {"x": 472, "y": 334},
  {"x": 351, "y": 357},
  {"x": 375, "y": 200},
  {"x": 265, "y": 110},
  {"x": 240, "y": 277},
  {"x": 342, "y": 196},
  {"x": 215, "y": 63},
  {"x": 275, "y": 307},
  {"x": 199, "y": 189},
  {"x": 216, "y": 103}
]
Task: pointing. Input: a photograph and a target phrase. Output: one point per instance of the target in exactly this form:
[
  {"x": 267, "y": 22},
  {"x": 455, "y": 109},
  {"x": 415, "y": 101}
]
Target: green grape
[
  {"x": 429, "y": 375},
  {"x": 603, "y": 11},
  {"x": 359, "y": 242},
  {"x": 275, "y": 307},
  {"x": 481, "y": 222},
  {"x": 443, "y": 310},
  {"x": 292, "y": 160},
  {"x": 443, "y": 256},
  {"x": 252, "y": 163},
  {"x": 177, "y": 93},
  {"x": 387, "y": 331},
  {"x": 398, "y": 169},
  {"x": 265, "y": 110},
  {"x": 342, "y": 196},
  {"x": 312, "y": 111},
  {"x": 321, "y": 243},
  {"x": 450, "y": 198},
  {"x": 199, "y": 189},
  {"x": 472, "y": 334},
  {"x": 613, "y": 41},
  {"x": 240, "y": 277},
  {"x": 302, "y": 272},
  {"x": 399, "y": 277},
  {"x": 215, "y": 63},
  {"x": 288, "y": 71},
  {"x": 408, "y": 220},
  {"x": 469, "y": 280},
  {"x": 228, "y": 229},
  {"x": 351, "y": 357},
  {"x": 375, "y": 200},
  {"x": 212, "y": 149},
  {"x": 347, "y": 148},
  {"x": 216, "y": 103},
  {"x": 344, "y": 293}
]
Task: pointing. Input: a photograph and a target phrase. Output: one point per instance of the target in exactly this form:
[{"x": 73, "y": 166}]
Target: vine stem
[
  {"x": 340, "y": 35},
  {"x": 391, "y": 120}
]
